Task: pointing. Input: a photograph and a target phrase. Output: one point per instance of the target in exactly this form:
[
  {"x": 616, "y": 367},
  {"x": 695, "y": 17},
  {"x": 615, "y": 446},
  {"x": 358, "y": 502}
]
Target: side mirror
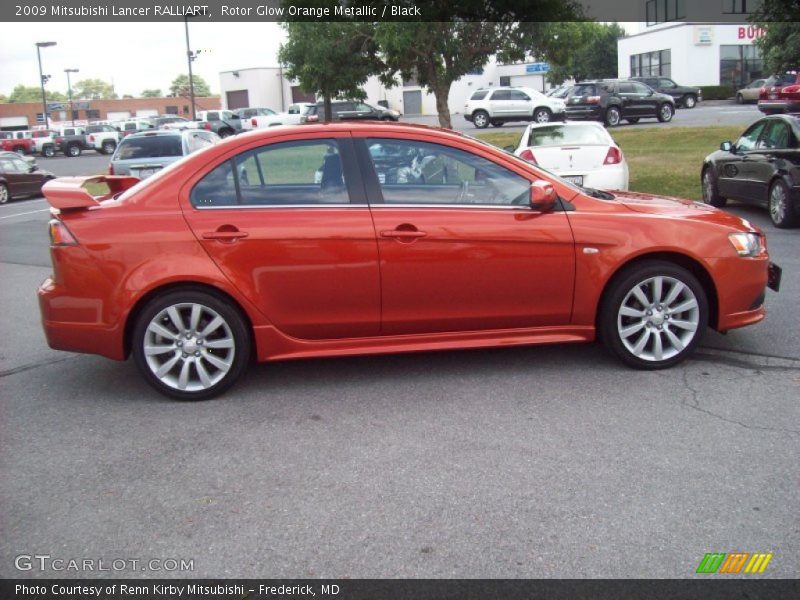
[
  {"x": 726, "y": 147},
  {"x": 543, "y": 196}
]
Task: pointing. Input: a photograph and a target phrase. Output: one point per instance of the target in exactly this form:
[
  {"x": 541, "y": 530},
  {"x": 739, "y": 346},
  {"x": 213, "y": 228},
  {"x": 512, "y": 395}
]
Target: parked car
[
  {"x": 296, "y": 113},
  {"x": 147, "y": 152},
  {"x": 45, "y": 142},
  {"x": 612, "y": 100},
  {"x": 20, "y": 145},
  {"x": 780, "y": 94},
  {"x": 347, "y": 110},
  {"x": 71, "y": 141},
  {"x": 505, "y": 104},
  {"x": 132, "y": 126},
  {"x": 171, "y": 122},
  {"x": 761, "y": 168},
  {"x": 750, "y": 92},
  {"x": 222, "y": 122},
  {"x": 684, "y": 96},
  {"x": 235, "y": 250},
  {"x": 20, "y": 178},
  {"x": 561, "y": 92},
  {"x": 581, "y": 153},
  {"x": 29, "y": 159},
  {"x": 247, "y": 113},
  {"x": 102, "y": 138}
]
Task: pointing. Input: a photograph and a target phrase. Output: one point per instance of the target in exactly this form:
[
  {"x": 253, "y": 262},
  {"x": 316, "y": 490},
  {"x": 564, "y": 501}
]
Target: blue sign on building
[{"x": 537, "y": 68}]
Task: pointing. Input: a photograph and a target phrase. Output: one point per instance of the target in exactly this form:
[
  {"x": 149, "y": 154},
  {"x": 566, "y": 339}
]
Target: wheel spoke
[
  {"x": 688, "y": 305},
  {"x": 194, "y": 320},
  {"x": 223, "y": 343},
  {"x": 155, "y": 350},
  {"x": 203, "y": 374},
  {"x": 637, "y": 349},
  {"x": 167, "y": 366},
  {"x": 658, "y": 348},
  {"x": 183, "y": 378},
  {"x": 159, "y": 329},
  {"x": 640, "y": 295},
  {"x": 673, "y": 339},
  {"x": 176, "y": 319},
  {"x": 215, "y": 322},
  {"x": 687, "y": 325},
  {"x": 658, "y": 284},
  {"x": 629, "y": 311},
  {"x": 630, "y": 330},
  {"x": 676, "y": 290},
  {"x": 217, "y": 362}
]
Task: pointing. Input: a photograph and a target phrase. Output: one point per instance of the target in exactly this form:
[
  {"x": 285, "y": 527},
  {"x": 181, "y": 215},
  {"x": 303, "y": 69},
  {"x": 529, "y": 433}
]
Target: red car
[
  {"x": 361, "y": 238},
  {"x": 780, "y": 94}
]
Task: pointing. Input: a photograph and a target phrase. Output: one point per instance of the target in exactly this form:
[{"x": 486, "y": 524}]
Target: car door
[
  {"x": 667, "y": 86},
  {"x": 520, "y": 104},
  {"x": 775, "y": 144},
  {"x": 363, "y": 111},
  {"x": 21, "y": 181},
  {"x": 734, "y": 172},
  {"x": 630, "y": 106},
  {"x": 289, "y": 226},
  {"x": 460, "y": 247},
  {"x": 645, "y": 99},
  {"x": 500, "y": 103}
]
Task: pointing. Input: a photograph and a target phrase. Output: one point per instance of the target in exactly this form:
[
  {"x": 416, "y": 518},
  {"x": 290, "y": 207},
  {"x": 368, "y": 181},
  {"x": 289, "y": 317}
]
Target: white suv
[{"x": 503, "y": 104}]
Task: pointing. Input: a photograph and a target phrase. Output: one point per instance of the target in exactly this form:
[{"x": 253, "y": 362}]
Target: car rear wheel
[
  {"x": 711, "y": 190},
  {"x": 665, "y": 112},
  {"x": 109, "y": 147},
  {"x": 225, "y": 133},
  {"x": 49, "y": 151},
  {"x": 612, "y": 116},
  {"x": 780, "y": 211},
  {"x": 542, "y": 115},
  {"x": 190, "y": 344},
  {"x": 654, "y": 315},
  {"x": 4, "y": 195},
  {"x": 74, "y": 150},
  {"x": 689, "y": 101},
  {"x": 20, "y": 150},
  {"x": 739, "y": 99},
  {"x": 480, "y": 119}
]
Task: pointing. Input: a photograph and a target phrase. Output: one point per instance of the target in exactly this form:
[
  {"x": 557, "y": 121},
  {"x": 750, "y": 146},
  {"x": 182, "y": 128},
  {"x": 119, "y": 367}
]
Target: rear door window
[
  {"x": 501, "y": 95},
  {"x": 479, "y": 95}
]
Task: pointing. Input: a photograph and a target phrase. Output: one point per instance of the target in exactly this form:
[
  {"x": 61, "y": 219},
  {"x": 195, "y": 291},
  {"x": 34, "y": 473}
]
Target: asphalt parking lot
[{"x": 525, "y": 462}]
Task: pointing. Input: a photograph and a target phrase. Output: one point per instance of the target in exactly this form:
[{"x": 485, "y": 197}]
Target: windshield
[
  {"x": 559, "y": 135},
  {"x": 150, "y": 147}
]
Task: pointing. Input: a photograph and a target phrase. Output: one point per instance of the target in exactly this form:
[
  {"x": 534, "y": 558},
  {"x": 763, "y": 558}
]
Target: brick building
[{"x": 27, "y": 115}]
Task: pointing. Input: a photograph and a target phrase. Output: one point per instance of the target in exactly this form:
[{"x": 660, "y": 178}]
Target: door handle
[
  {"x": 402, "y": 234},
  {"x": 225, "y": 236}
]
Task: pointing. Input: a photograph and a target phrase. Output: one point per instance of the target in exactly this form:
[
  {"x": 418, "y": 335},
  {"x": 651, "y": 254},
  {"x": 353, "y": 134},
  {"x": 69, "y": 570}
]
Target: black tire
[
  {"x": 20, "y": 150},
  {"x": 108, "y": 147},
  {"x": 49, "y": 151},
  {"x": 5, "y": 195},
  {"x": 656, "y": 320},
  {"x": 689, "y": 101},
  {"x": 73, "y": 150},
  {"x": 235, "y": 333},
  {"x": 612, "y": 116},
  {"x": 542, "y": 115},
  {"x": 665, "y": 113},
  {"x": 780, "y": 206},
  {"x": 708, "y": 183},
  {"x": 497, "y": 123},
  {"x": 633, "y": 120},
  {"x": 480, "y": 118},
  {"x": 225, "y": 133},
  {"x": 739, "y": 99}
]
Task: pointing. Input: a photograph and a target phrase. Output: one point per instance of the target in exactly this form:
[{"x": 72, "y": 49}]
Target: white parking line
[{"x": 30, "y": 212}]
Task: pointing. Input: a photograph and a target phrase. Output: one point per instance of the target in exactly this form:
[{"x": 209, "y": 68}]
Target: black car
[
  {"x": 684, "y": 96},
  {"x": 20, "y": 178},
  {"x": 612, "y": 100},
  {"x": 352, "y": 110},
  {"x": 762, "y": 168}
]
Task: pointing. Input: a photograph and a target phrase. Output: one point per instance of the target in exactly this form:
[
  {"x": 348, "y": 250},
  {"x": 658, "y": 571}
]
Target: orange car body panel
[{"x": 323, "y": 282}]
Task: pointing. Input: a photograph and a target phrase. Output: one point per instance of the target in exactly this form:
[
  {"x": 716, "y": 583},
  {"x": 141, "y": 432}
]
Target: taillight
[
  {"x": 614, "y": 156},
  {"x": 312, "y": 118},
  {"x": 91, "y": 138},
  {"x": 110, "y": 168},
  {"x": 207, "y": 126},
  {"x": 527, "y": 154},
  {"x": 593, "y": 99},
  {"x": 60, "y": 235},
  {"x": 254, "y": 122},
  {"x": 59, "y": 140}
]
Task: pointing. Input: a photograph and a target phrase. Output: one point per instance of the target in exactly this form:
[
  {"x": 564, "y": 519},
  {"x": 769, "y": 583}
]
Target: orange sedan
[{"x": 360, "y": 238}]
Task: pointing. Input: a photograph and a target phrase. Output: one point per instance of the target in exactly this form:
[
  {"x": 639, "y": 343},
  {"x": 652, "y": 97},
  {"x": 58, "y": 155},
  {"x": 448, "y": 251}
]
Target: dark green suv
[{"x": 684, "y": 96}]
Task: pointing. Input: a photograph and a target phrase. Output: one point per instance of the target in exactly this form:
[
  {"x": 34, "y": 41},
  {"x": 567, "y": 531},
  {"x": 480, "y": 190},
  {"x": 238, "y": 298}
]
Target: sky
[{"x": 138, "y": 56}]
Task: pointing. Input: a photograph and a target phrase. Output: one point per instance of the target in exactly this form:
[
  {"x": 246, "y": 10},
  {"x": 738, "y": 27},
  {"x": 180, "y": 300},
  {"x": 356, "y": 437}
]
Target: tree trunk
[
  {"x": 327, "y": 103},
  {"x": 442, "y": 91}
]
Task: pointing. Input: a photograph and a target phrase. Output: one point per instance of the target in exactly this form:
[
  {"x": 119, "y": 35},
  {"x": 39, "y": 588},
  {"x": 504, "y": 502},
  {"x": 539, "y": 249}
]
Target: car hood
[{"x": 669, "y": 206}]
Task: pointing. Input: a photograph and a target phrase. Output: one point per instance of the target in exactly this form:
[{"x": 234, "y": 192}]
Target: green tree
[
  {"x": 24, "y": 93},
  {"x": 93, "y": 89},
  {"x": 780, "y": 45},
  {"x": 330, "y": 59},
  {"x": 180, "y": 86},
  {"x": 151, "y": 93}
]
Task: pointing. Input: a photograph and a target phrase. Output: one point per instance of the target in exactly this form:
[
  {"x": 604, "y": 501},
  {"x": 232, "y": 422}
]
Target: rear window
[
  {"x": 479, "y": 95},
  {"x": 584, "y": 90},
  {"x": 149, "y": 147},
  {"x": 557, "y": 135}
]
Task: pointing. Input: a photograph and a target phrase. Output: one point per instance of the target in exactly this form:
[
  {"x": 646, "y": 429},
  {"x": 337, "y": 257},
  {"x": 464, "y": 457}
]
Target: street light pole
[
  {"x": 69, "y": 92},
  {"x": 42, "y": 78},
  {"x": 190, "y": 57}
]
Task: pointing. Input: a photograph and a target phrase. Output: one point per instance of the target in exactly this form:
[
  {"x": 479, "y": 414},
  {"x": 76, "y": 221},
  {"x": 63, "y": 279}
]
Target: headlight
[{"x": 746, "y": 244}]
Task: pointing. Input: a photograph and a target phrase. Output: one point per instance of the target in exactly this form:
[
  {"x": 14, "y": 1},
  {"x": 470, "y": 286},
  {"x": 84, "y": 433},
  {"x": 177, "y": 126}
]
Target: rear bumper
[
  {"x": 593, "y": 113},
  {"x": 73, "y": 324},
  {"x": 778, "y": 106}
]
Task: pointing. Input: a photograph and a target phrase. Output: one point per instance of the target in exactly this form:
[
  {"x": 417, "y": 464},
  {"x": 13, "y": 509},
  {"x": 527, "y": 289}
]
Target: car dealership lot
[{"x": 525, "y": 462}]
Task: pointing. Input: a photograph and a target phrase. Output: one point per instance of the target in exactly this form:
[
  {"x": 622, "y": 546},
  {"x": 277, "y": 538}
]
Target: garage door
[
  {"x": 237, "y": 99},
  {"x": 412, "y": 102}
]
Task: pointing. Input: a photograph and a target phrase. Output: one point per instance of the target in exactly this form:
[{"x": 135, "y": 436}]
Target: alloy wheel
[{"x": 777, "y": 204}]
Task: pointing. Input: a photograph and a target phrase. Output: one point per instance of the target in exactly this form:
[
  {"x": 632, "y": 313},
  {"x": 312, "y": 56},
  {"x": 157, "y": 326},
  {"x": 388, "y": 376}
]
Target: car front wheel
[
  {"x": 665, "y": 112},
  {"x": 689, "y": 102},
  {"x": 654, "y": 315},
  {"x": 109, "y": 147},
  {"x": 190, "y": 344},
  {"x": 542, "y": 115},
  {"x": 780, "y": 211},
  {"x": 74, "y": 150},
  {"x": 711, "y": 190},
  {"x": 480, "y": 119},
  {"x": 4, "y": 194},
  {"x": 612, "y": 116},
  {"x": 49, "y": 151}
]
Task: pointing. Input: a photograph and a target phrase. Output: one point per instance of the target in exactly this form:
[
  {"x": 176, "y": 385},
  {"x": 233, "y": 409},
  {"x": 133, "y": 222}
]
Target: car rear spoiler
[{"x": 69, "y": 193}]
